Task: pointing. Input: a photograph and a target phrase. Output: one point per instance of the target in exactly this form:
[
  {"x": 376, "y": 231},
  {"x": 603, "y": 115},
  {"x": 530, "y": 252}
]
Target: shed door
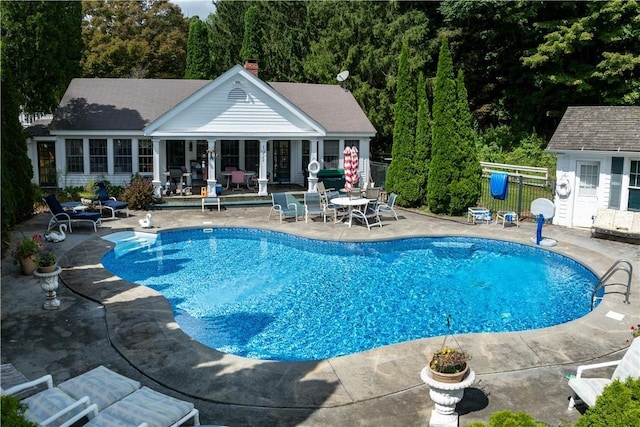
[{"x": 586, "y": 196}]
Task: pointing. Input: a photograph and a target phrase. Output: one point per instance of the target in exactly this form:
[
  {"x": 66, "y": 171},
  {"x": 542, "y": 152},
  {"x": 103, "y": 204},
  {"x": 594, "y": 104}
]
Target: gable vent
[{"x": 237, "y": 95}]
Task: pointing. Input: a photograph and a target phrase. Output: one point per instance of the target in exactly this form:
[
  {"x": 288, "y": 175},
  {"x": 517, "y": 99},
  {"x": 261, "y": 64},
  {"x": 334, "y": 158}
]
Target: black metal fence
[{"x": 525, "y": 185}]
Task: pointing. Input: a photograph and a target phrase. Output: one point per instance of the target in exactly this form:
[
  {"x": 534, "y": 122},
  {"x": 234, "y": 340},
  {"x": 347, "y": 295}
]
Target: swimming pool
[{"x": 269, "y": 295}]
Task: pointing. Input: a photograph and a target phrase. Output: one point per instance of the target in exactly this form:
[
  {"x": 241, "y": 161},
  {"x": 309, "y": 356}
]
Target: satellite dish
[{"x": 343, "y": 76}]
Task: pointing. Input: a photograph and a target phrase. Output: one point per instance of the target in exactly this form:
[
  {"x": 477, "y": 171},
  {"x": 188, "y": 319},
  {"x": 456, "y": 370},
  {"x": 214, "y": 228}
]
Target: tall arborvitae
[
  {"x": 198, "y": 59},
  {"x": 251, "y": 39},
  {"x": 467, "y": 188},
  {"x": 401, "y": 171},
  {"x": 422, "y": 153},
  {"x": 443, "y": 168}
]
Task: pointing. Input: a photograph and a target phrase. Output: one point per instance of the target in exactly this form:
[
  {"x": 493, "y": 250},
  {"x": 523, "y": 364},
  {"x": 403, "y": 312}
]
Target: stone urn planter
[
  {"x": 49, "y": 283},
  {"x": 446, "y": 396}
]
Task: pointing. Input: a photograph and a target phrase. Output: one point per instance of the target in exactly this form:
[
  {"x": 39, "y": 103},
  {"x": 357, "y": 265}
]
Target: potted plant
[
  {"x": 47, "y": 262},
  {"x": 26, "y": 253},
  {"x": 449, "y": 365},
  {"x": 88, "y": 195}
]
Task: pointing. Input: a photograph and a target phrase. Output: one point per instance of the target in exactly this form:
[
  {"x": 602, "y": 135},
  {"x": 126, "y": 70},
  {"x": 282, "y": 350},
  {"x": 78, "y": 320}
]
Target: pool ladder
[{"x": 619, "y": 265}]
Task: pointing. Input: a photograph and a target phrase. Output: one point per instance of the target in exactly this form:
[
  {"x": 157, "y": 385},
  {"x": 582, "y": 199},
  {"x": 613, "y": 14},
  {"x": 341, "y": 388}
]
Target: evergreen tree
[
  {"x": 401, "y": 170},
  {"x": 198, "y": 62},
  {"x": 467, "y": 187},
  {"x": 422, "y": 153},
  {"x": 251, "y": 39},
  {"x": 442, "y": 169}
]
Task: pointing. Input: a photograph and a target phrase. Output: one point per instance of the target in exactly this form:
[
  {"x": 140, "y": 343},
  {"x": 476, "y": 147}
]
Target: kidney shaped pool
[{"x": 269, "y": 295}]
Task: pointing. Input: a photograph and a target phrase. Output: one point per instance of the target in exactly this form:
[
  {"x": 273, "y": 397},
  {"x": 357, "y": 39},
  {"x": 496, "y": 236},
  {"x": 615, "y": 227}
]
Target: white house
[
  {"x": 113, "y": 128},
  {"x": 598, "y": 151}
]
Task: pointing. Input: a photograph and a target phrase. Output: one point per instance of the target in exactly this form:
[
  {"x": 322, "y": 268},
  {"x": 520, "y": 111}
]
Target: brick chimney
[{"x": 251, "y": 65}]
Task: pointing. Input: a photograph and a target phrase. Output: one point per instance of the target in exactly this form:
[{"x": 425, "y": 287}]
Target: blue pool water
[{"x": 269, "y": 295}]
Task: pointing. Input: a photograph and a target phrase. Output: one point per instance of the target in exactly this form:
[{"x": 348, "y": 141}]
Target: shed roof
[
  {"x": 131, "y": 104},
  {"x": 607, "y": 128}
]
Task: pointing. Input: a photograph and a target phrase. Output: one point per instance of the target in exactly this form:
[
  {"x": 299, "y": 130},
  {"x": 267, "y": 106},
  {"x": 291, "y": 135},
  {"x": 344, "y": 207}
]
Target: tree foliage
[
  {"x": 140, "y": 39},
  {"x": 198, "y": 60},
  {"x": 251, "y": 45},
  {"x": 43, "y": 49},
  {"x": 422, "y": 150},
  {"x": 402, "y": 169}
]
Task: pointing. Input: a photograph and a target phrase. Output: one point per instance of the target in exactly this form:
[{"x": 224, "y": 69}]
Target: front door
[
  {"x": 585, "y": 202},
  {"x": 47, "y": 164},
  {"x": 281, "y": 161}
]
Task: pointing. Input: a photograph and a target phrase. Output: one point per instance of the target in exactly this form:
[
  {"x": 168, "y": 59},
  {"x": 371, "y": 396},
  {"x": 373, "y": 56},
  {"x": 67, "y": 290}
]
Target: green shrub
[
  {"x": 510, "y": 419},
  {"x": 139, "y": 194},
  {"x": 617, "y": 406},
  {"x": 12, "y": 412}
]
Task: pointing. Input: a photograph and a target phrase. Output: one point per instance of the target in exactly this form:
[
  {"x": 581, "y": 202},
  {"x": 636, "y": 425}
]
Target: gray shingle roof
[
  {"x": 613, "y": 128},
  {"x": 131, "y": 104}
]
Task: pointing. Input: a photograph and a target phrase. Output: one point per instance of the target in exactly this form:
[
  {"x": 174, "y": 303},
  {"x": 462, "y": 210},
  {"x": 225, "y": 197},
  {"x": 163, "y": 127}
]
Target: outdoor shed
[{"x": 598, "y": 151}]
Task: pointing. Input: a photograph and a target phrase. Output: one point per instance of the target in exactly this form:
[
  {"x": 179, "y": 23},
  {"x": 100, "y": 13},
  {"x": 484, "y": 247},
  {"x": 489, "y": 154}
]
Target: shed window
[
  {"x": 331, "y": 155},
  {"x": 634, "y": 186},
  {"x": 588, "y": 179}
]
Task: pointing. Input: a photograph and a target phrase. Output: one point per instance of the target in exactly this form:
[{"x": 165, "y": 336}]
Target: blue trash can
[{"x": 218, "y": 189}]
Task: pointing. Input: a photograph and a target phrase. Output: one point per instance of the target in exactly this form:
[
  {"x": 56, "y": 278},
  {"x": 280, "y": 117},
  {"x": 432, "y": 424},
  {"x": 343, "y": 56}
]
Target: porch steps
[{"x": 226, "y": 201}]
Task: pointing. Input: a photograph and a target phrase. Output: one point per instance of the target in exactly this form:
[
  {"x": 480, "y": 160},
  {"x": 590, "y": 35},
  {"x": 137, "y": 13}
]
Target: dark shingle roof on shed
[{"x": 613, "y": 128}]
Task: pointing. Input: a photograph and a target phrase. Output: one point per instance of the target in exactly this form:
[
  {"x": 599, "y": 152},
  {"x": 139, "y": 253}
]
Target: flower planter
[
  {"x": 28, "y": 265},
  {"x": 48, "y": 268},
  {"x": 446, "y": 396},
  {"x": 449, "y": 378}
]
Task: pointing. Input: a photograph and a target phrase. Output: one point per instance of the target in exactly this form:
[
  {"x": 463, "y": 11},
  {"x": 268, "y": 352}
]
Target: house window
[
  {"x": 122, "y": 156},
  {"x": 331, "y": 154},
  {"x": 75, "y": 157},
  {"x": 229, "y": 157},
  {"x": 588, "y": 179},
  {"x": 352, "y": 143},
  {"x": 306, "y": 154},
  {"x": 145, "y": 156},
  {"x": 252, "y": 155},
  {"x": 634, "y": 186},
  {"x": 97, "y": 156}
]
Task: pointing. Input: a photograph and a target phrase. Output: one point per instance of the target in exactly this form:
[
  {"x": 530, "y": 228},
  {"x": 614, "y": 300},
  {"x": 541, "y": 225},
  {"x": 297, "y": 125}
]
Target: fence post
[{"x": 520, "y": 190}]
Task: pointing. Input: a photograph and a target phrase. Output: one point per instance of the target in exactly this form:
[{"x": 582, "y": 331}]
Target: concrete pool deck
[{"x": 104, "y": 320}]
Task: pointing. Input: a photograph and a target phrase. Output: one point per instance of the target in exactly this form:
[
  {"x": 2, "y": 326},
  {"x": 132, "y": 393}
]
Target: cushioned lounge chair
[
  {"x": 114, "y": 400},
  {"x": 587, "y": 390},
  {"x": 283, "y": 206},
  {"x": 107, "y": 202},
  {"x": 313, "y": 206},
  {"x": 60, "y": 216}
]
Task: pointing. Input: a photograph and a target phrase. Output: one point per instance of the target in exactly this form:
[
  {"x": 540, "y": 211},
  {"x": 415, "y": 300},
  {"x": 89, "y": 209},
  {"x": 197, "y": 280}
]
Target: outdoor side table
[{"x": 478, "y": 214}]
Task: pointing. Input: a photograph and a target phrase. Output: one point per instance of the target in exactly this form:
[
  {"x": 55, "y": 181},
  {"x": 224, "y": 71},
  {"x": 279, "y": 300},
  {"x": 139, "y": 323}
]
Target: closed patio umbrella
[
  {"x": 347, "y": 169},
  {"x": 354, "y": 166}
]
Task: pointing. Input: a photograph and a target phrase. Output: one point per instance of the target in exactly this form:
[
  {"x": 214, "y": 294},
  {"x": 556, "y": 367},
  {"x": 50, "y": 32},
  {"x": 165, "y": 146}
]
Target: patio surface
[{"x": 130, "y": 329}]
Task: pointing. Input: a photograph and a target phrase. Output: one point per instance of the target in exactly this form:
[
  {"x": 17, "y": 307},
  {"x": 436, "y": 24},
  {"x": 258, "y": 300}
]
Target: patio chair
[
  {"x": 368, "y": 214},
  {"x": 237, "y": 177},
  {"x": 388, "y": 207},
  {"x": 338, "y": 211},
  {"x": 107, "y": 202},
  {"x": 283, "y": 206},
  {"x": 312, "y": 206},
  {"x": 60, "y": 216},
  {"x": 587, "y": 390}
]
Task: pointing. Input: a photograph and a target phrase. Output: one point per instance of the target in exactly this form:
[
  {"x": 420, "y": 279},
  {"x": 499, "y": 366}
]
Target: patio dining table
[{"x": 349, "y": 203}]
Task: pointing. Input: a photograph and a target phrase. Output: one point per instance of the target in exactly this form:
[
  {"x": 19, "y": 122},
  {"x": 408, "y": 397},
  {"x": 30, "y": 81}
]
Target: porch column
[
  {"x": 262, "y": 174},
  {"x": 211, "y": 167},
  {"x": 313, "y": 157},
  {"x": 157, "y": 183}
]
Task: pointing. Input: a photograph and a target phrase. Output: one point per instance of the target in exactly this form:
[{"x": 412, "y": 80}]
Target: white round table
[{"x": 349, "y": 203}]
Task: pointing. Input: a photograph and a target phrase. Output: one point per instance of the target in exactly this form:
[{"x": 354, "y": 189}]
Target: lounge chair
[
  {"x": 283, "y": 206},
  {"x": 107, "y": 202},
  {"x": 388, "y": 207},
  {"x": 113, "y": 400},
  {"x": 587, "y": 390},
  {"x": 368, "y": 214},
  {"x": 616, "y": 223},
  {"x": 60, "y": 216},
  {"x": 313, "y": 206},
  {"x": 53, "y": 406}
]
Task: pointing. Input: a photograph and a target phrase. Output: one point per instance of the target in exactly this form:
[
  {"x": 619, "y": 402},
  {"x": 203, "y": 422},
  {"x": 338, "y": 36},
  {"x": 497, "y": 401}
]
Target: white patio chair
[
  {"x": 368, "y": 214},
  {"x": 587, "y": 390},
  {"x": 388, "y": 207}
]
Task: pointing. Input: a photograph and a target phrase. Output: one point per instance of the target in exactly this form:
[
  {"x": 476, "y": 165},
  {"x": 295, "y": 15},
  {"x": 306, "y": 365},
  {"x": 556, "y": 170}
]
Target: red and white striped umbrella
[
  {"x": 347, "y": 169},
  {"x": 354, "y": 166}
]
